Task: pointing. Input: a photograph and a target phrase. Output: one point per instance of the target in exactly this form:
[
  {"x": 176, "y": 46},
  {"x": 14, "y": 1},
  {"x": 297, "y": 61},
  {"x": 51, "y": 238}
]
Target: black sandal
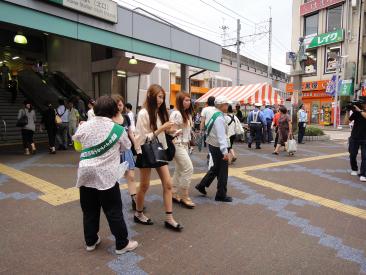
[
  {"x": 168, "y": 225},
  {"x": 133, "y": 203},
  {"x": 137, "y": 219}
]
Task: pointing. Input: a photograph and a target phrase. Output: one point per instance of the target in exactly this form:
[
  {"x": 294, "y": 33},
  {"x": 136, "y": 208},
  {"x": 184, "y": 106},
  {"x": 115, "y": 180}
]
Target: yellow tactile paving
[
  {"x": 354, "y": 211},
  {"x": 29, "y": 180},
  {"x": 282, "y": 163},
  {"x": 56, "y": 195},
  {"x": 72, "y": 194}
]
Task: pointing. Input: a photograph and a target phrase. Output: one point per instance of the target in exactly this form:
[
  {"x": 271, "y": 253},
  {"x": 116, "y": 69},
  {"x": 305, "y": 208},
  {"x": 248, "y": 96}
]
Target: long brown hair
[
  {"x": 186, "y": 114},
  {"x": 151, "y": 106}
]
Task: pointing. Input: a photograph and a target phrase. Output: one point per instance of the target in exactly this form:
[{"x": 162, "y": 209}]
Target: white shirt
[
  {"x": 302, "y": 116},
  {"x": 132, "y": 119},
  {"x": 177, "y": 118},
  {"x": 101, "y": 172},
  {"x": 234, "y": 124},
  {"x": 143, "y": 131},
  {"x": 90, "y": 114},
  {"x": 63, "y": 112},
  {"x": 208, "y": 112},
  {"x": 218, "y": 136}
]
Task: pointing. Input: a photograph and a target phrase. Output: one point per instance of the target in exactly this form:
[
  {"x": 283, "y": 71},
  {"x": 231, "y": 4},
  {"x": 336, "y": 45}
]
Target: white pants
[{"x": 183, "y": 168}]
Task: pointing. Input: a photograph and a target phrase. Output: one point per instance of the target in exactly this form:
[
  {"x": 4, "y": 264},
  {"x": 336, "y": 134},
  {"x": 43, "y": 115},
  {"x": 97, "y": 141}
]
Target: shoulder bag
[
  {"x": 170, "y": 151},
  {"x": 153, "y": 152}
]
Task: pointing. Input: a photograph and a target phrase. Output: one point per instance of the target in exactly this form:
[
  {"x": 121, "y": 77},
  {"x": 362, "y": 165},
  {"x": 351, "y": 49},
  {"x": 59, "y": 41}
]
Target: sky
[{"x": 206, "y": 18}]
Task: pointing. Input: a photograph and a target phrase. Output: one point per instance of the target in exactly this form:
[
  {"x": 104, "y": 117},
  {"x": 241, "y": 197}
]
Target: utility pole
[
  {"x": 224, "y": 28},
  {"x": 238, "y": 53},
  {"x": 269, "y": 73}
]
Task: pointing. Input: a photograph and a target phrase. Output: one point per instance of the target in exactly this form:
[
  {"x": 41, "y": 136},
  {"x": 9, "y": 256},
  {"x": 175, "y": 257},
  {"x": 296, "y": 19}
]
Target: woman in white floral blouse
[{"x": 99, "y": 169}]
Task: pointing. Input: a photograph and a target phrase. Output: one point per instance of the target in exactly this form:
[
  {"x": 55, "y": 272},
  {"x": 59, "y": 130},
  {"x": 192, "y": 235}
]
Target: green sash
[
  {"x": 210, "y": 123},
  {"x": 101, "y": 148}
]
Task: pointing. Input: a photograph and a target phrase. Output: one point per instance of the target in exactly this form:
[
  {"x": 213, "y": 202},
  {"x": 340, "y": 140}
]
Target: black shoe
[
  {"x": 249, "y": 145},
  {"x": 177, "y": 228},
  {"x": 224, "y": 199},
  {"x": 258, "y": 147},
  {"x": 137, "y": 220},
  {"x": 201, "y": 189}
]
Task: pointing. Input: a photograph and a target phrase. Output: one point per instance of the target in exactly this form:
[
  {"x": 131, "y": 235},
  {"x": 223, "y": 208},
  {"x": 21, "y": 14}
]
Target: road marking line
[
  {"x": 351, "y": 210},
  {"x": 29, "y": 180},
  {"x": 287, "y": 162},
  {"x": 72, "y": 194}
]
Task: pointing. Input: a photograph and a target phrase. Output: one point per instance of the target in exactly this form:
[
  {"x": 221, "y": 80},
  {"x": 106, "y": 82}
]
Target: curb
[{"x": 315, "y": 138}]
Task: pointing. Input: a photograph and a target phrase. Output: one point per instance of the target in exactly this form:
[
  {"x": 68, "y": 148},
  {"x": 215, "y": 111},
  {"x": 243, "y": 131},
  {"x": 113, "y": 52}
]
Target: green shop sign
[
  {"x": 104, "y": 9},
  {"x": 326, "y": 38},
  {"x": 346, "y": 88}
]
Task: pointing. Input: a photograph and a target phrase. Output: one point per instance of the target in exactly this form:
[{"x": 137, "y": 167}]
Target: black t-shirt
[
  {"x": 359, "y": 126},
  {"x": 126, "y": 122}
]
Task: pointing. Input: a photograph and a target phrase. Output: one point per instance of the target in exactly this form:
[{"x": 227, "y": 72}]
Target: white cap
[
  {"x": 258, "y": 104},
  {"x": 221, "y": 100}
]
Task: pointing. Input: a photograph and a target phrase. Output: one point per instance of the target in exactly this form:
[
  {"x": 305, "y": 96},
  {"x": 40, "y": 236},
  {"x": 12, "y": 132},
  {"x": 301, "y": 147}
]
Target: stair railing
[{"x": 3, "y": 129}]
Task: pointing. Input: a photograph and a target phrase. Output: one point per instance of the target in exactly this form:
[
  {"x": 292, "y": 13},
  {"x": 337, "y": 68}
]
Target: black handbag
[
  {"x": 153, "y": 152},
  {"x": 22, "y": 121},
  {"x": 170, "y": 151}
]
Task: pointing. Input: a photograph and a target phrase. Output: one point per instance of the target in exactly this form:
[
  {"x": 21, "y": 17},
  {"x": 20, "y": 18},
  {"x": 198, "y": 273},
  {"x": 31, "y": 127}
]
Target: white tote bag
[{"x": 291, "y": 146}]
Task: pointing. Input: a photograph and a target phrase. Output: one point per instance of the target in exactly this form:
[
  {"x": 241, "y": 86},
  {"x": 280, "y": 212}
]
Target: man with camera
[{"x": 358, "y": 137}]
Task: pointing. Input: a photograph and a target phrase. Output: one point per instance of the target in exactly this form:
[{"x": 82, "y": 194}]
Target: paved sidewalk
[{"x": 290, "y": 215}]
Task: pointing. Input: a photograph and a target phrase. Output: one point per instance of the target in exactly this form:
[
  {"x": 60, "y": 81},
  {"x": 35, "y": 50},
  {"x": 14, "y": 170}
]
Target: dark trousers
[
  {"x": 255, "y": 134},
  {"x": 91, "y": 200},
  {"x": 27, "y": 137},
  {"x": 61, "y": 136},
  {"x": 301, "y": 132},
  {"x": 219, "y": 169},
  {"x": 51, "y": 132},
  {"x": 354, "y": 145},
  {"x": 276, "y": 138},
  {"x": 269, "y": 136}
]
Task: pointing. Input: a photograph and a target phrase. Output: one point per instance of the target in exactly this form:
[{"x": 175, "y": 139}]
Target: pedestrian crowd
[{"x": 113, "y": 143}]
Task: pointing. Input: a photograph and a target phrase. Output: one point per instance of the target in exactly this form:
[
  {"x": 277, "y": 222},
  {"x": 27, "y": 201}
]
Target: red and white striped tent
[{"x": 249, "y": 94}]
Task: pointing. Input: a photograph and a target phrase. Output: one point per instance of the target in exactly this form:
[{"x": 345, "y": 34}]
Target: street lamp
[{"x": 338, "y": 66}]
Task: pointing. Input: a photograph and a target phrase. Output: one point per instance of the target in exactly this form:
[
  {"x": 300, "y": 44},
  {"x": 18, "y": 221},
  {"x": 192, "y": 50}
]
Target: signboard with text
[
  {"x": 316, "y": 5},
  {"x": 105, "y": 9},
  {"x": 326, "y": 38},
  {"x": 346, "y": 88}
]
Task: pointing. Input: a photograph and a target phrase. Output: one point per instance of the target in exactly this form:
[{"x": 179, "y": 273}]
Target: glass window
[
  {"x": 330, "y": 58},
  {"x": 311, "y": 24},
  {"x": 364, "y": 64},
  {"x": 311, "y": 62},
  {"x": 334, "y": 19}
]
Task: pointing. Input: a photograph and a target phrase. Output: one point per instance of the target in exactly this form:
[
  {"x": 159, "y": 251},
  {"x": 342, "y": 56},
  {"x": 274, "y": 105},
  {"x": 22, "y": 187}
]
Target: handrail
[{"x": 3, "y": 135}]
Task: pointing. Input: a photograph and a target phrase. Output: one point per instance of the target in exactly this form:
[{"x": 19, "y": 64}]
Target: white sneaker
[
  {"x": 92, "y": 247},
  {"x": 362, "y": 178},
  {"x": 131, "y": 246},
  {"x": 354, "y": 173}
]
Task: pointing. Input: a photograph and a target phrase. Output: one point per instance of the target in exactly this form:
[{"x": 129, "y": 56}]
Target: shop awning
[{"x": 249, "y": 94}]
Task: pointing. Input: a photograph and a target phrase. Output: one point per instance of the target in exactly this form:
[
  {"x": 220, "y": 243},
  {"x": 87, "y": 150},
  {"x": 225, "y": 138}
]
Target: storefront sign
[
  {"x": 309, "y": 86},
  {"x": 346, "y": 88},
  {"x": 316, "y": 5},
  {"x": 105, "y": 9},
  {"x": 326, "y": 38},
  {"x": 314, "y": 94}
]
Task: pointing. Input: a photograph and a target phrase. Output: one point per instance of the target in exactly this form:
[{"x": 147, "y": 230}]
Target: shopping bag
[{"x": 291, "y": 146}]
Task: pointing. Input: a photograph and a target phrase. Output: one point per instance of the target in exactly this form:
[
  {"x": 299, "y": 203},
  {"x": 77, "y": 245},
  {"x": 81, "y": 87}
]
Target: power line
[
  {"x": 213, "y": 7},
  {"x": 176, "y": 18},
  {"x": 234, "y": 12}
]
